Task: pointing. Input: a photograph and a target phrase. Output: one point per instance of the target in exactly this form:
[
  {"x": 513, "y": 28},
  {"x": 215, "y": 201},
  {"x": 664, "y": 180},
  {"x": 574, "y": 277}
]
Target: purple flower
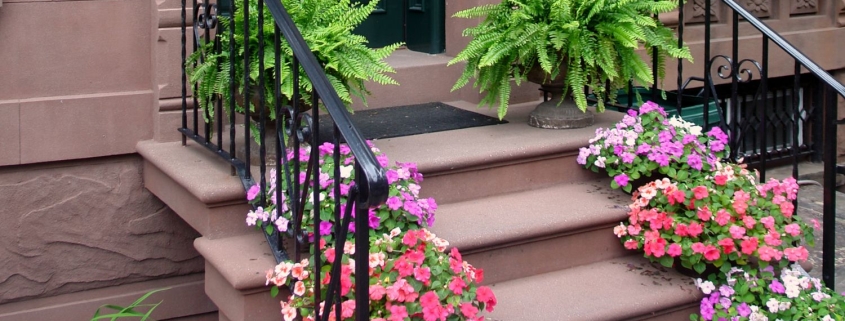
[
  {"x": 432, "y": 205},
  {"x": 583, "y": 153},
  {"x": 621, "y": 179},
  {"x": 628, "y": 158},
  {"x": 649, "y": 107},
  {"x": 726, "y": 290},
  {"x": 665, "y": 136},
  {"x": 659, "y": 158},
  {"x": 725, "y": 302},
  {"x": 694, "y": 161},
  {"x": 743, "y": 309},
  {"x": 413, "y": 208},
  {"x": 326, "y": 149},
  {"x": 629, "y": 120},
  {"x": 688, "y": 139},
  {"x": 618, "y": 150},
  {"x": 392, "y": 176},
  {"x": 706, "y": 309},
  {"x": 325, "y": 228},
  {"x": 374, "y": 221},
  {"x": 382, "y": 160},
  {"x": 394, "y": 203},
  {"x": 351, "y": 227},
  {"x": 252, "y": 192},
  {"x": 777, "y": 287},
  {"x": 643, "y": 149},
  {"x": 717, "y": 133}
]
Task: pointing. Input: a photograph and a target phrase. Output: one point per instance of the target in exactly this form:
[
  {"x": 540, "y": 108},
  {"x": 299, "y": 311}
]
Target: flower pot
[{"x": 559, "y": 112}]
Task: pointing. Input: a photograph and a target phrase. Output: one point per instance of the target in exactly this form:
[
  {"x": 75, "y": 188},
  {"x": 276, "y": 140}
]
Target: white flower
[
  {"x": 773, "y": 305},
  {"x": 695, "y": 130},
  {"x": 706, "y": 286},
  {"x": 819, "y": 296},
  {"x": 346, "y": 171},
  {"x": 600, "y": 161},
  {"x": 783, "y": 306},
  {"x": 792, "y": 292},
  {"x": 827, "y": 318}
]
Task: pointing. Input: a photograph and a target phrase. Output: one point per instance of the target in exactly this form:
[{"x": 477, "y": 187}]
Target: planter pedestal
[{"x": 559, "y": 112}]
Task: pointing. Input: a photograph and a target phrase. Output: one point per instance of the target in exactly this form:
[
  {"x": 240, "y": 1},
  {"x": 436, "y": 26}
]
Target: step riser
[
  {"x": 498, "y": 179},
  {"x": 248, "y": 305},
  {"x": 215, "y": 221},
  {"x": 546, "y": 255}
]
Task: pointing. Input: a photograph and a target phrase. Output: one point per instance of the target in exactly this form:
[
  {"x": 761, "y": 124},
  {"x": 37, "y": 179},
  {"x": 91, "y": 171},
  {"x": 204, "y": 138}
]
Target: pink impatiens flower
[
  {"x": 457, "y": 285},
  {"x": 674, "y": 250},
  {"x": 737, "y": 231},
  {"x": 723, "y": 217},
  {"x": 792, "y": 229},
  {"x": 422, "y": 274}
]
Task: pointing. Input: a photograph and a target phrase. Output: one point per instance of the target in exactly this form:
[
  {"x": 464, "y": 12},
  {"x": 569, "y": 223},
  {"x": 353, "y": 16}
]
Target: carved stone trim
[
  {"x": 759, "y": 8},
  {"x": 695, "y": 12},
  {"x": 841, "y": 19},
  {"x": 803, "y": 7}
]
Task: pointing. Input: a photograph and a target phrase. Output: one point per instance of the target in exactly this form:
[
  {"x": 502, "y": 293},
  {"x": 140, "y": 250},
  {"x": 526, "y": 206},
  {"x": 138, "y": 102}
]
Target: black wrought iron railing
[
  {"x": 749, "y": 115},
  {"x": 769, "y": 120},
  {"x": 295, "y": 128}
]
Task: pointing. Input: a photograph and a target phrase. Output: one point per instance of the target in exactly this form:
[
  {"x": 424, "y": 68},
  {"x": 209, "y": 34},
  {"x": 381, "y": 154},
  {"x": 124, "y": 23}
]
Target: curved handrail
[
  {"x": 788, "y": 47},
  {"x": 376, "y": 190}
]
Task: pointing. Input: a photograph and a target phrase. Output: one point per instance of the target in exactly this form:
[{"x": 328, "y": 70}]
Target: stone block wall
[
  {"x": 79, "y": 225},
  {"x": 79, "y": 88}
]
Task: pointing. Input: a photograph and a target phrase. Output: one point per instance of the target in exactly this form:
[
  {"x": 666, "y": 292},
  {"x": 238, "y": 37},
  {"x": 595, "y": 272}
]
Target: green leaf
[
  {"x": 699, "y": 267},
  {"x": 667, "y": 261},
  {"x": 274, "y": 291}
]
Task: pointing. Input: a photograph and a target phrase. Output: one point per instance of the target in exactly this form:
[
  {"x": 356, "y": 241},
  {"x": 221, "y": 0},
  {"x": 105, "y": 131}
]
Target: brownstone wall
[
  {"x": 78, "y": 89},
  {"x": 74, "y": 226}
]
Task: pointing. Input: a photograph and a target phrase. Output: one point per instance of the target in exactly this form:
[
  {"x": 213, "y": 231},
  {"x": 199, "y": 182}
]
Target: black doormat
[{"x": 410, "y": 120}]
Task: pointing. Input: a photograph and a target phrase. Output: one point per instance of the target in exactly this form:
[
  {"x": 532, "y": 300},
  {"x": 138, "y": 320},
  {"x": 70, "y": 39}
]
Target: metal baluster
[
  {"x": 829, "y": 207},
  {"x": 707, "y": 65},
  {"x": 338, "y": 219},
  {"x": 734, "y": 84},
  {"x": 194, "y": 46},
  {"x": 681, "y": 62},
  {"x": 764, "y": 88},
  {"x": 281, "y": 153},
  {"x": 630, "y": 94},
  {"x": 796, "y": 88},
  {"x": 232, "y": 88},
  {"x": 362, "y": 247},
  {"x": 295, "y": 203},
  {"x": 184, "y": 74},
  {"x": 315, "y": 171},
  {"x": 262, "y": 149},
  {"x": 208, "y": 104},
  {"x": 246, "y": 94}
]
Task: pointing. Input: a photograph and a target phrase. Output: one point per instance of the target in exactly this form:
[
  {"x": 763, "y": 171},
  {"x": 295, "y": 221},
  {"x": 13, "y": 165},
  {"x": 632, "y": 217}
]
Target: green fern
[
  {"x": 326, "y": 26},
  {"x": 596, "y": 39}
]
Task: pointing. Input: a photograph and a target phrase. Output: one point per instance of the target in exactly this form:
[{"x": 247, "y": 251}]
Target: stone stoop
[
  {"x": 515, "y": 202},
  {"x": 511, "y": 197}
]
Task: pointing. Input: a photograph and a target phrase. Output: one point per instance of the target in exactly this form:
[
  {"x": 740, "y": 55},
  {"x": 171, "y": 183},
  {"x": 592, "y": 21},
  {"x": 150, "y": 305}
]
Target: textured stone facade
[{"x": 80, "y": 225}]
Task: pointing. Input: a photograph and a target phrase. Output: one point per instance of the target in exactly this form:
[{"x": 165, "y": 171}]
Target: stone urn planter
[{"x": 559, "y": 112}]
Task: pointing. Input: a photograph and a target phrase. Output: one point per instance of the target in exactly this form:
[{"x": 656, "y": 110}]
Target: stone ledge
[{"x": 186, "y": 297}]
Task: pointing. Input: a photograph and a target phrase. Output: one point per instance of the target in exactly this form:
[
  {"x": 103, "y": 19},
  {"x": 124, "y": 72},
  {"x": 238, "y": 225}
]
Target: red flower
[
  {"x": 711, "y": 253},
  {"x": 749, "y": 245},
  {"x": 700, "y": 192},
  {"x": 484, "y": 294},
  {"x": 727, "y": 244},
  {"x": 721, "y": 179}
]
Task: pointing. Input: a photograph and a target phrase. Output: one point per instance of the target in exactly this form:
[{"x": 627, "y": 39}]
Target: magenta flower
[
  {"x": 777, "y": 287},
  {"x": 621, "y": 179},
  {"x": 394, "y": 203},
  {"x": 252, "y": 192},
  {"x": 325, "y": 228}
]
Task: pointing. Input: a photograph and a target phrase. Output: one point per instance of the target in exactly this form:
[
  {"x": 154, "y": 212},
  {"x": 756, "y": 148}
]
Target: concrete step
[
  {"x": 562, "y": 226},
  {"x": 235, "y": 269},
  {"x": 623, "y": 288},
  {"x": 425, "y": 78},
  {"x": 197, "y": 185},
  {"x": 477, "y": 162}
]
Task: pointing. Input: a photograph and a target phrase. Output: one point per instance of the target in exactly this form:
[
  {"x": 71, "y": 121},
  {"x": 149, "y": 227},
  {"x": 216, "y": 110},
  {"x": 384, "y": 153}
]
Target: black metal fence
[{"x": 295, "y": 127}]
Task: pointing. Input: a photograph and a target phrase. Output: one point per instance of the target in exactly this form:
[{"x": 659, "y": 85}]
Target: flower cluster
[
  {"x": 411, "y": 276},
  {"x": 748, "y": 296},
  {"x": 404, "y": 208},
  {"x": 647, "y": 141},
  {"x": 724, "y": 218}
]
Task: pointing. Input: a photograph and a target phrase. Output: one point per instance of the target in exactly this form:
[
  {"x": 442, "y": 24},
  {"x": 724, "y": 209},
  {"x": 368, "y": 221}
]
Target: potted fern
[
  {"x": 565, "y": 46},
  {"x": 326, "y": 26}
]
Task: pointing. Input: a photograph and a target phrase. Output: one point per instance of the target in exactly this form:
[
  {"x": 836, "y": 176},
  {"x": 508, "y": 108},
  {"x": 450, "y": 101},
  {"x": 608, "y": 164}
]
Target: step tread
[
  {"x": 534, "y": 214},
  {"x": 482, "y": 146},
  {"x": 635, "y": 286},
  {"x": 196, "y": 169},
  {"x": 242, "y": 260}
]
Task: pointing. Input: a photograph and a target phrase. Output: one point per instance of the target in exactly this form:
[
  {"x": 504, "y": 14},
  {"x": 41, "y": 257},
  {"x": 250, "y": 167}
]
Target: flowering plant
[
  {"x": 646, "y": 141},
  {"x": 748, "y": 296},
  {"x": 725, "y": 218},
  {"x": 404, "y": 208},
  {"x": 411, "y": 276}
]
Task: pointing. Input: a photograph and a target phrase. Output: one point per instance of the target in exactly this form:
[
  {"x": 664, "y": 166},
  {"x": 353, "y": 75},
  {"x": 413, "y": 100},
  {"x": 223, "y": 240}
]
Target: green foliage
[
  {"x": 326, "y": 26},
  {"x": 130, "y": 311},
  {"x": 595, "y": 39}
]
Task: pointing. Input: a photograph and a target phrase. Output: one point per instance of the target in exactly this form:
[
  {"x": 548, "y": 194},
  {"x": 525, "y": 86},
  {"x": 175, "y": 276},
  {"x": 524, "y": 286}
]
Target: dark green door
[{"x": 420, "y": 24}]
